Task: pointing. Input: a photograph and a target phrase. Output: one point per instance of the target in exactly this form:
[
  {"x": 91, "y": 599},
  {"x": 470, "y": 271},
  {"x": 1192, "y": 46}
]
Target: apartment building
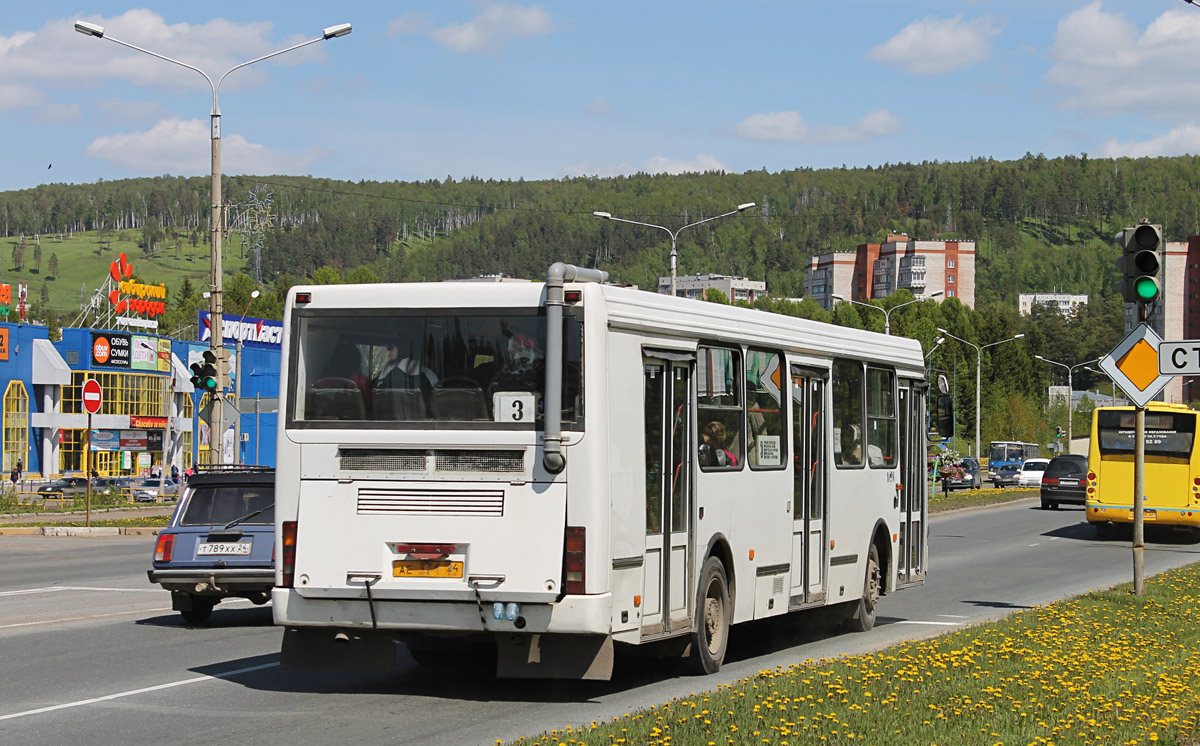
[
  {"x": 1064, "y": 303},
  {"x": 734, "y": 288},
  {"x": 876, "y": 271}
]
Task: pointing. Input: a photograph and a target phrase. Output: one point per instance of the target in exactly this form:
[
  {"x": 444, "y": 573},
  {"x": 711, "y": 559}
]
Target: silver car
[{"x": 150, "y": 490}]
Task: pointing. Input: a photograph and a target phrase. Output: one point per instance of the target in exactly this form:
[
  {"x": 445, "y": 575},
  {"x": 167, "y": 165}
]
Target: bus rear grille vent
[
  {"x": 504, "y": 461},
  {"x": 382, "y": 459},
  {"x": 448, "y": 502}
]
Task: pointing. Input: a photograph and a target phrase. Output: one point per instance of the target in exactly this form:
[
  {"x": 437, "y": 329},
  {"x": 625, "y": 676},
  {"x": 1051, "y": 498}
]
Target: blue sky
[{"x": 506, "y": 90}]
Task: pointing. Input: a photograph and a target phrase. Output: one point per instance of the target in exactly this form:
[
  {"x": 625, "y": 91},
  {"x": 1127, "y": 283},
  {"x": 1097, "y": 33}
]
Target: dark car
[
  {"x": 1006, "y": 475},
  {"x": 220, "y": 542},
  {"x": 1065, "y": 481},
  {"x": 972, "y": 476},
  {"x": 67, "y": 487}
]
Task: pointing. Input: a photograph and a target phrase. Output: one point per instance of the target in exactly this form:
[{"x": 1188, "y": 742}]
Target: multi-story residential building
[
  {"x": 1065, "y": 303},
  {"x": 694, "y": 286},
  {"x": 877, "y": 270}
]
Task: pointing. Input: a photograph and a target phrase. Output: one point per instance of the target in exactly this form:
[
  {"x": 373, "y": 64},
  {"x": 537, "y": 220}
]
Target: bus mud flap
[
  {"x": 337, "y": 650},
  {"x": 537, "y": 656}
]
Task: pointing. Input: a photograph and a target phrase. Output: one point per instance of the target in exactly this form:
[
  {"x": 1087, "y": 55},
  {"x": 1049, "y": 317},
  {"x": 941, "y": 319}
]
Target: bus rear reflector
[
  {"x": 289, "y": 553},
  {"x": 165, "y": 549},
  {"x": 574, "y": 556}
]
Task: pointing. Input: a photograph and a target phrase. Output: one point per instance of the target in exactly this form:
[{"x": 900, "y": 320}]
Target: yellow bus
[{"x": 1172, "y": 479}]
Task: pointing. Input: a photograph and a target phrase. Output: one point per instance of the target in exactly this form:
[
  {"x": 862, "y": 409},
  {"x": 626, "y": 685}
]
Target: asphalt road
[{"x": 93, "y": 654}]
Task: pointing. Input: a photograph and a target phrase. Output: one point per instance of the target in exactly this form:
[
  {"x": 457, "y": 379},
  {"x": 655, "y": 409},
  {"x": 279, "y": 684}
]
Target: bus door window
[
  {"x": 720, "y": 408},
  {"x": 848, "y": 413},
  {"x": 654, "y": 447},
  {"x": 766, "y": 446},
  {"x": 881, "y": 418}
]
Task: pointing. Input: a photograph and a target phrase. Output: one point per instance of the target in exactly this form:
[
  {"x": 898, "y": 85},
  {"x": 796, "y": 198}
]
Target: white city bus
[{"x": 703, "y": 465}]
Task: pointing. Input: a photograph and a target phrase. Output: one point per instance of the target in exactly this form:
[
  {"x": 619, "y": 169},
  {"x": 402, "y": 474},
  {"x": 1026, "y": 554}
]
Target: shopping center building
[{"x": 150, "y": 414}]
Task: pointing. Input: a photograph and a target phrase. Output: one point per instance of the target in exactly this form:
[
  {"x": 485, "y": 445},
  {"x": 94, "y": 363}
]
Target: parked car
[
  {"x": 1006, "y": 475},
  {"x": 148, "y": 490},
  {"x": 67, "y": 487},
  {"x": 220, "y": 542},
  {"x": 972, "y": 476},
  {"x": 1032, "y": 471},
  {"x": 1064, "y": 481}
]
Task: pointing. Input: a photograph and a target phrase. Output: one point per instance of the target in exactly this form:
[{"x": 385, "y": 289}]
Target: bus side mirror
[{"x": 944, "y": 416}]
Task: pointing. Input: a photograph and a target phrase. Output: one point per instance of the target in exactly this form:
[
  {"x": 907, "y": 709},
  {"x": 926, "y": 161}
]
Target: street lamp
[
  {"x": 887, "y": 312},
  {"x": 1070, "y": 388},
  {"x": 936, "y": 343},
  {"x": 675, "y": 234},
  {"x": 216, "y": 341},
  {"x": 978, "y": 370},
  {"x": 1112, "y": 395}
]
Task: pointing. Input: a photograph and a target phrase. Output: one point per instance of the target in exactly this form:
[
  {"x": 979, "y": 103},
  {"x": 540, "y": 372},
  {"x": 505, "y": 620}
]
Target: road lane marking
[
  {"x": 77, "y": 618},
  {"x": 57, "y": 588},
  {"x": 132, "y": 692},
  {"x": 935, "y": 624},
  {"x": 952, "y": 616}
]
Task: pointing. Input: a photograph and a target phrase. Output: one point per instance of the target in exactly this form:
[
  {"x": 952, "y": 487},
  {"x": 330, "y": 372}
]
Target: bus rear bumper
[
  {"x": 1097, "y": 513},
  {"x": 578, "y": 615}
]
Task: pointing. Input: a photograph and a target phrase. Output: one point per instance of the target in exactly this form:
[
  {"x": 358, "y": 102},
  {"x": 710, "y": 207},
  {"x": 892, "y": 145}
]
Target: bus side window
[
  {"x": 881, "y": 418},
  {"x": 720, "y": 408},
  {"x": 764, "y": 413},
  {"x": 848, "y": 412}
]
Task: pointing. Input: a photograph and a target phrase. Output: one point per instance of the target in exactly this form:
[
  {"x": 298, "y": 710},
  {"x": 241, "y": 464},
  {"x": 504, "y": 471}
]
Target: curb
[{"x": 79, "y": 531}]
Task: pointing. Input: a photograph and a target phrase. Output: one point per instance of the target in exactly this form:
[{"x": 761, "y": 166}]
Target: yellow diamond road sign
[{"x": 1133, "y": 366}]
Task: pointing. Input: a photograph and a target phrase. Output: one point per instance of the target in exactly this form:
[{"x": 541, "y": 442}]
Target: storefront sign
[
  {"x": 133, "y": 440},
  {"x": 249, "y": 331},
  {"x": 147, "y": 423},
  {"x": 151, "y": 353},
  {"x": 106, "y": 440},
  {"x": 3, "y": 344},
  {"x": 134, "y": 297},
  {"x": 110, "y": 349}
]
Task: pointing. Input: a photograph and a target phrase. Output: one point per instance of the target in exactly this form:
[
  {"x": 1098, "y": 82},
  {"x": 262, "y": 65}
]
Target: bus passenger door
[
  {"x": 910, "y": 493},
  {"x": 809, "y": 487},
  {"x": 668, "y": 409}
]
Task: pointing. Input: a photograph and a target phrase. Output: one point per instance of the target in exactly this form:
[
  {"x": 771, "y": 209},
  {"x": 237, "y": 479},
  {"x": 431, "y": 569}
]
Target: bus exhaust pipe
[{"x": 553, "y": 458}]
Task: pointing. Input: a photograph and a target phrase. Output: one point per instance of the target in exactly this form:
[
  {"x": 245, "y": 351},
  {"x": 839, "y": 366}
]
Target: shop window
[{"x": 16, "y": 426}]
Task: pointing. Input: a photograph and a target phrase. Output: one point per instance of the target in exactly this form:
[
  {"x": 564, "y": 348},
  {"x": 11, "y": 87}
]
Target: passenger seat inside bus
[
  {"x": 460, "y": 404},
  {"x": 342, "y": 403},
  {"x": 398, "y": 404}
]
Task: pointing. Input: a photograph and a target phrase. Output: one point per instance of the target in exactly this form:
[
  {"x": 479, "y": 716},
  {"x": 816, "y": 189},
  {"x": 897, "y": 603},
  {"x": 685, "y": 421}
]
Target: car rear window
[
  {"x": 212, "y": 505},
  {"x": 1038, "y": 466},
  {"x": 1065, "y": 466}
]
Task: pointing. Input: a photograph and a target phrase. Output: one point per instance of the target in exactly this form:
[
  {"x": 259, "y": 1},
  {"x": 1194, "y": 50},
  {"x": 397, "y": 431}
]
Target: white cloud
[
  {"x": 496, "y": 25},
  {"x": 1106, "y": 65},
  {"x": 789, "y": 126},
  {"x": 58, "y": 114},
  {"x": 16, "y": 96},
  {"x": 58, "y": 55},
  {"x": 409, "y": 23},
  {"x": 937, "y": 46},
  {"x": 183, "y": 146},
  {"x": 598, "y": 107},
  {"x": 1182, "y": 140}
]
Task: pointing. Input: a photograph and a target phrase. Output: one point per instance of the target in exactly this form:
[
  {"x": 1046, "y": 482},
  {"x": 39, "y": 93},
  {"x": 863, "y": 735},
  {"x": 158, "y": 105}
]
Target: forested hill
[{"x": 1041, "y": 224}]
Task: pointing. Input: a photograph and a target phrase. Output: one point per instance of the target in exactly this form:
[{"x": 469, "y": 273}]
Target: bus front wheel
[
  {"x": 710, "y": 628},
  {"x": 862, "y": 619}
]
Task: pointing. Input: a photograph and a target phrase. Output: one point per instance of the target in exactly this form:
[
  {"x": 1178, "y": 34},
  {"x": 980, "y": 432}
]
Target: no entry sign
[{"x": 93, "y": 396}]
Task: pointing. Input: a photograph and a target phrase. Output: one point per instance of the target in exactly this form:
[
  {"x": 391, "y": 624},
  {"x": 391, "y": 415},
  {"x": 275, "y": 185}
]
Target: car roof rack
[{"x": 218, "y": 468}]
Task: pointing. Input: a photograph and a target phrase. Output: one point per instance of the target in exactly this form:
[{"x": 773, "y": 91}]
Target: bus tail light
[
  {"x": 574, "y": 555},
  {"x": 289, "y": 553},
  {"x": 1091, "y": 476},
  {"x": 164, "y": 550}
]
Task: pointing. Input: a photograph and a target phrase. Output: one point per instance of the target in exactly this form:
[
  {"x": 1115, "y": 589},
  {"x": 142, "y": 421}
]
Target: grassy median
[{"x": 1105, "y": 668}]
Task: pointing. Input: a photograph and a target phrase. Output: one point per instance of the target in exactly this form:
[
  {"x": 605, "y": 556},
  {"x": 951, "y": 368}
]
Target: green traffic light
[
  {"x": 210, "y": 383},
  {"x": 1146, "y": 288}
]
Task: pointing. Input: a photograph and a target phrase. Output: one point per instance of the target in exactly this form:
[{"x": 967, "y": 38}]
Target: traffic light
[
  {"x": 1142, "y": 260},
  {"x": 223, "y": 368},
  {"x": 204, "y": 374}
]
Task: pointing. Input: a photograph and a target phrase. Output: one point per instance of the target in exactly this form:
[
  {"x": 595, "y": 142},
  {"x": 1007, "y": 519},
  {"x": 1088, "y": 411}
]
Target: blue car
[{"x": 220, "y": 542}]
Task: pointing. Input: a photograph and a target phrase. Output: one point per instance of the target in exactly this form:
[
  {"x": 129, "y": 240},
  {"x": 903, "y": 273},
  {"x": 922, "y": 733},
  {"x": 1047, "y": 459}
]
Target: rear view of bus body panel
[{"x": 1171, "y": 498}]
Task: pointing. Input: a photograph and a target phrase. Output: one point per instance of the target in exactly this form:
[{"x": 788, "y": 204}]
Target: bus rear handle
[{"x": 475, "y": 580}]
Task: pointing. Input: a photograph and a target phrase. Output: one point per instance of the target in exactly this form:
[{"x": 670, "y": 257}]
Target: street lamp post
[
  {"x": 1070, "y": 388},
  {"x": 237, "y": 388},
  {"x": 978, "y": 371},
  {"x": 887, "y": 312},
  {"x": 216, "y": 342},
  {"x": 675, "y": 234}
]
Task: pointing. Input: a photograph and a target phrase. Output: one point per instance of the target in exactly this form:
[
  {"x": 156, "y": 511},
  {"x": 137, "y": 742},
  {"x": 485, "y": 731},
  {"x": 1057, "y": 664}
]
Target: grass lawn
[
  {"x": 1104, "y": 668},
  {"x": 956, "y": 499}
]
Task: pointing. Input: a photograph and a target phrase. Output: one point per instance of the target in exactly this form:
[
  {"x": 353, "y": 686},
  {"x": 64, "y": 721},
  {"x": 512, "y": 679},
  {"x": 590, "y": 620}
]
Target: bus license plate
[
  {"x": 1147, "y": 515},
  {"x": 426, "y": 569},
  {"x": 210, "y": 548}
]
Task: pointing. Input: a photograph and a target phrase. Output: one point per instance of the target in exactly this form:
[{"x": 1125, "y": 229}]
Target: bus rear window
[
  {"x": 430, "y": 369},
  {"x": 1167, "y": 433}
]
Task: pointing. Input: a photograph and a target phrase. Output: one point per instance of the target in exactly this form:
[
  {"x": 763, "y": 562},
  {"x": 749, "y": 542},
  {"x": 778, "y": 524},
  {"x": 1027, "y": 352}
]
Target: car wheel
[
  {"x": 710, "y": 627},
  {"x": 862, "y": 619},
  {"x": 201, "y": 610}
]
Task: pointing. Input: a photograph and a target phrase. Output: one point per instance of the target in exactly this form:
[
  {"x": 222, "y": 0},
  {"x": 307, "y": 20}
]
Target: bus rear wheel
[
  {"x": 710, "y": 627},
  {"x": 862, "y": 618}
]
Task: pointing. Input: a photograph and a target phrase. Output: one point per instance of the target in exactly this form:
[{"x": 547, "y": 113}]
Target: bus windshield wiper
[{"x": 248, "y": 516}]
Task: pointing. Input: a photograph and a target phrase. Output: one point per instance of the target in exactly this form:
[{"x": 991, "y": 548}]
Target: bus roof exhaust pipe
[{"x": 552, "y": 456}]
